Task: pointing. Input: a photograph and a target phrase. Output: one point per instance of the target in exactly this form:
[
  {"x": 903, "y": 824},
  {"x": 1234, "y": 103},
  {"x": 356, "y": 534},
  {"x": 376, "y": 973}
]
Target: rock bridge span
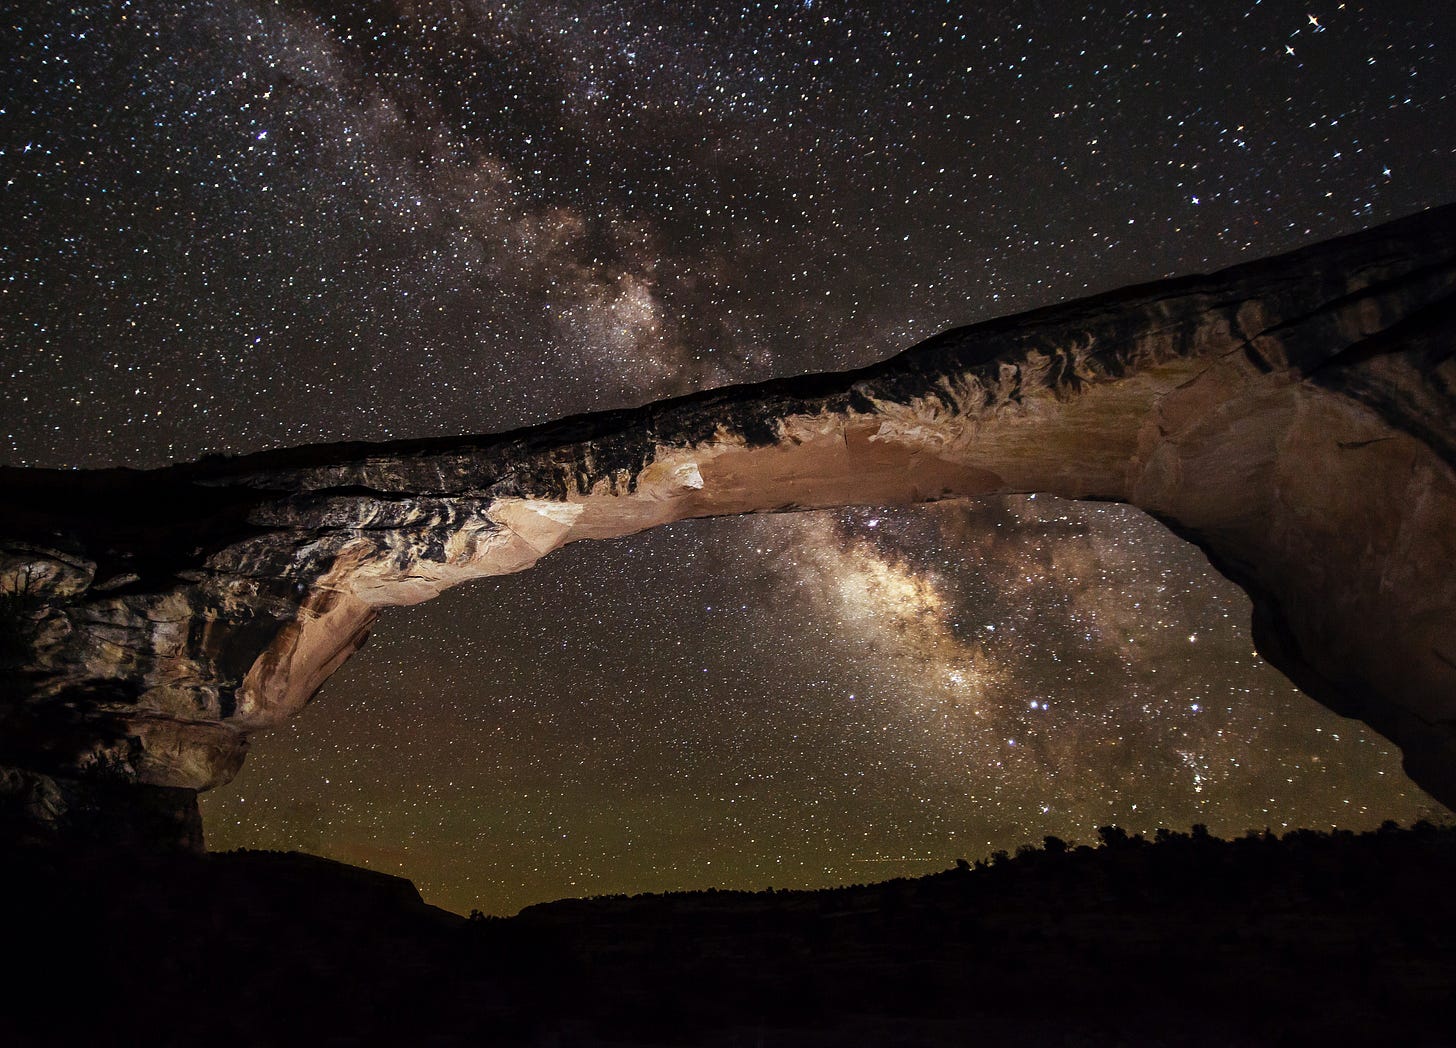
[{"x": 1295, "y": 417}]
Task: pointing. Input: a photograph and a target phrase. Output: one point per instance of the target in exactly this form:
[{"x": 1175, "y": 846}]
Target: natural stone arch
[{"x": 1295, "y": 418}]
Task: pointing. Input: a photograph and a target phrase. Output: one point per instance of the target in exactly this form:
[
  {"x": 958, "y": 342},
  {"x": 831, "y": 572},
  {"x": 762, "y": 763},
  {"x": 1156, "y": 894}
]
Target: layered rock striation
[{"x": 1295, "y": 417}]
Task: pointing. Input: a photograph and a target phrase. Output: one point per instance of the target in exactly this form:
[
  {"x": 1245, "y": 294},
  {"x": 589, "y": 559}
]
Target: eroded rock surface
[{"x": 1295, "y": 417}]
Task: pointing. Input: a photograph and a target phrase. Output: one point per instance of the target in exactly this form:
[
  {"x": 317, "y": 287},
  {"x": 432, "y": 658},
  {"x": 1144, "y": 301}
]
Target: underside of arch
[{"x": 1295, "y": 417}]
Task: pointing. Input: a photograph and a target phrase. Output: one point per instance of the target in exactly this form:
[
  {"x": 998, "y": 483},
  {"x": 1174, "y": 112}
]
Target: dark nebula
[{"x": 231, "y": 226}]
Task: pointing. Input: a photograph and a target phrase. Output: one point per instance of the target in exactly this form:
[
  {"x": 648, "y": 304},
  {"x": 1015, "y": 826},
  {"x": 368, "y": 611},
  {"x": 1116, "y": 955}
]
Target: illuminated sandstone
[{"x": 1295, "y": 417}]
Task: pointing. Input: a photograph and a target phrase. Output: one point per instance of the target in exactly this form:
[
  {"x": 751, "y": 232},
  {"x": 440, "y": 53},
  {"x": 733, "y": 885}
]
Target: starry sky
[{"x": 232, "y": 226}]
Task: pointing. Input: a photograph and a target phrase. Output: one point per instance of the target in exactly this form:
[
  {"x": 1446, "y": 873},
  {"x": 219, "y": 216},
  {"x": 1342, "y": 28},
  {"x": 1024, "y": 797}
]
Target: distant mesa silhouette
[{"x": 1312, "y": 938}]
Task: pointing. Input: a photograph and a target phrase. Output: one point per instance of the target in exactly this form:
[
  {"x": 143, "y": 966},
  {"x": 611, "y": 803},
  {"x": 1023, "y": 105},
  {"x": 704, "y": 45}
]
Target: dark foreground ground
[{"x": 1313, "y": 939}]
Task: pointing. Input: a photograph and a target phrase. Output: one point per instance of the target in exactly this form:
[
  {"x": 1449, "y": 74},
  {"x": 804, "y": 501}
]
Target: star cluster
[{"x": 230, "y": 226}]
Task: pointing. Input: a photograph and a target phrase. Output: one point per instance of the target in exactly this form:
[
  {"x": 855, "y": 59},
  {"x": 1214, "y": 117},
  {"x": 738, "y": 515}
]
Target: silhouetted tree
[
  {"x": 20, "y": 601},
  {"x": 1112, "y": 836}
]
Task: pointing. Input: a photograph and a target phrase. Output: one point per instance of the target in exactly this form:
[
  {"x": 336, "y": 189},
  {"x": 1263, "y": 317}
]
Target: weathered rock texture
[{"x": 1295, "y": 417}]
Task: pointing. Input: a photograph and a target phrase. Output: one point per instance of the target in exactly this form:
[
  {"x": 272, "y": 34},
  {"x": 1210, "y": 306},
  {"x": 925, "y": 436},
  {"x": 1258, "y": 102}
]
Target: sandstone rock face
[{"x": 1294, "y": 417}]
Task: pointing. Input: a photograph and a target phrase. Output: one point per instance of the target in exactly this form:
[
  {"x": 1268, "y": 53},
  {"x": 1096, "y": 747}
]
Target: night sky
[{"x": 233, "y": 226}]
